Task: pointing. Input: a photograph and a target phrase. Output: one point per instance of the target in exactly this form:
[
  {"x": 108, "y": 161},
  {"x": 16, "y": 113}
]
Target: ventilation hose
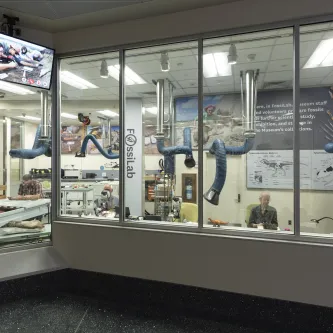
[
  {"x": 221, "y": 151},
  {"x": 186, "y": 149},
  {"x": 110, "y": 155}
]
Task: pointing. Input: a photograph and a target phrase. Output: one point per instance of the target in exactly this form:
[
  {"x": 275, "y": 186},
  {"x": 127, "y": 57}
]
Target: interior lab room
[{"x": 245, "y": 143}]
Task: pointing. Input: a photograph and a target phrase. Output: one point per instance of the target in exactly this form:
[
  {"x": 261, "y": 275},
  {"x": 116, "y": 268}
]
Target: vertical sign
[{"x": 134, "y": 190}]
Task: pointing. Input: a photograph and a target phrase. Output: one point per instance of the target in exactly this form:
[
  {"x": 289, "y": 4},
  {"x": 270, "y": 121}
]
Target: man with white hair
[{"x": 264, "y": 215}]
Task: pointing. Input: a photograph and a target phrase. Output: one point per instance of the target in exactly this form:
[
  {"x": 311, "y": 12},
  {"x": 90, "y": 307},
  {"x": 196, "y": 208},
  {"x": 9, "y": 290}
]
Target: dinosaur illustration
[{"x": 276, "y": 166}]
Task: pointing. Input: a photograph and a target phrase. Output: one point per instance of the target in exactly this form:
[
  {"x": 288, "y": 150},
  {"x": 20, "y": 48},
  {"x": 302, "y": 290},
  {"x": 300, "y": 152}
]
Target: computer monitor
[{"x": 127, "y": 211}]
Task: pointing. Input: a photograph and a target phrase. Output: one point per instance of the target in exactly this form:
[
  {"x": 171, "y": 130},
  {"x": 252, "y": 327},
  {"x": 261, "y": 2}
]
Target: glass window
[
  {"x": 25, "y": 158},
  {"x": 248, "y": 132},
  {"x": 316, "y": 128},
  {"x": 90, "y": 136},
  {"x": 161, "y": 134}
]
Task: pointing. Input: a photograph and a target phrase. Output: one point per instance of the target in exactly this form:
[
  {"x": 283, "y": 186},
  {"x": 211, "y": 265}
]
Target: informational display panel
[{"x": 270, "y": 163}]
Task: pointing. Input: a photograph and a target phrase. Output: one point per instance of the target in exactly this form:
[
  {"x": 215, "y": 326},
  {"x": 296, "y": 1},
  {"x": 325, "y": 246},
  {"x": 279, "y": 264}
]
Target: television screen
[{"x": 25, "y": 63}]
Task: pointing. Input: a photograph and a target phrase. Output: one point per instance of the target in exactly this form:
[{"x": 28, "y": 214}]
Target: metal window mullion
[
  {"x": 296, "y": 149},
  {"x": 56, "y": 146},
  {"x": 122, "y": 202},
  {"x": 200, "y": 133}
]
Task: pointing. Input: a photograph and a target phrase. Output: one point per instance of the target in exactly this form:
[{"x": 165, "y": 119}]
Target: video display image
[{"x": 25, "y": 63}]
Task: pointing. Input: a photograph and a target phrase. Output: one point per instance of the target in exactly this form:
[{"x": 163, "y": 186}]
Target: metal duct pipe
[
  {"x": 160, "y": 107},
  {"x": 109, "y": 132},
  {"x": 249, "y": 103},
  {"x": 45, "y": 114},
  {"x": 172, "y": 115}
]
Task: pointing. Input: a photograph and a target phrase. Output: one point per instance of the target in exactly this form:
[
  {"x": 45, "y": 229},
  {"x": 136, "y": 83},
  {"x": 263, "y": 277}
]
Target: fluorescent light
[
  {"x": 320, "y": 54},
  {"x": 108, "y": 113},
  {"x": 15, "y": 89},
  {"x": 29, "y": 118},
  {"x": 152, "y": 110},
  {"x": 68, "y": 115},
  {"x": 76, "y": 81},
  {"x": 216, "y": 64},
  {"x": 131, "y": 77}
]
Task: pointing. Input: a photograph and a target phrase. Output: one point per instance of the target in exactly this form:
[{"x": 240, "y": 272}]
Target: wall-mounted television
[{"x": 25, "y": 63}]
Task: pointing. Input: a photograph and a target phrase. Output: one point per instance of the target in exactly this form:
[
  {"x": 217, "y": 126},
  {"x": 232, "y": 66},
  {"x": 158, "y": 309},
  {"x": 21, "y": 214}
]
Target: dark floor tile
[
  {"x": 49, "y": 314},
  {"x": 107, "y": 318}
]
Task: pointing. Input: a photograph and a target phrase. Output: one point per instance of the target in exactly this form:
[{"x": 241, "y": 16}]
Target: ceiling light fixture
[
  {"x": 232, "y": 56},
  {"x": 68, "y": 115},
  {"x": 108, "y": 113},
  {"x": 131, "y": 77},
  {"x": 15, "y": 89},
  {"x": 322, "y": 55},
  {"x": 104, "y": 72},
  {"x": 29, "y": 118},
  {"x": 165, "y": 62},
  {"x": 76, "y": 81},
  {"x": 216, "y": 64},
  {"x": 152, "y": 110}
]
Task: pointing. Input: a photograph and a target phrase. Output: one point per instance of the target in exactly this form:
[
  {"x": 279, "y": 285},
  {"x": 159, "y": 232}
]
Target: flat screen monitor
[{"x": 25, "y": 63}]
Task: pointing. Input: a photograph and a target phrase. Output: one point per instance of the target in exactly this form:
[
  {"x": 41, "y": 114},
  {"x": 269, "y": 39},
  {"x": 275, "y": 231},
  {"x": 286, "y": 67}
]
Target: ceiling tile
[
  {"x": 189, "y": 84},
  {"x": 280, "y": 65},
  {"x": 284, "y": 51},
  {"x": 220, "y": 81},
  {"x": 315, "y": 72},
  {"x": 279, "y": 76},
  {"x": 261, "y": 54},
  {"x": 307, "y": 48},
  {"x": 310, "y": 82},
  {"x": 143, "y": 67},
  {"x": 185, "y": 75}
]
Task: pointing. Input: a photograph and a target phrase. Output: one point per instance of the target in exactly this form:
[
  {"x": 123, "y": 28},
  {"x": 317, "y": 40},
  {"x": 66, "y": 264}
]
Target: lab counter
[
  {"x": 37, "y": 236},
  {"x": 25, "y": 209}
]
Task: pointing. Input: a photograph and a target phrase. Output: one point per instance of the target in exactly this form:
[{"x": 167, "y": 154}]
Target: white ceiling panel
[
  {"x": 158, "y": 75},
  {"x": 309, "y": 73},
  {"x": 328, "y": 80},
  {"x": 142, "y": 88},
  {"x": 310, "y": 82},
  {"x": 105, "y": 83},
  {"x": 188, "y": 84},
  {"x": 278, "y": 76},
  {"x": 222, "y": 89},
  {"x": 307, "y": 48},
  {"x": 191, "y": 91},
  {"x": 223, "y": 80},
  {"x": 280, "y": 65},
  {"x": 248, "y": 66},
  {"x": 181, "y": 63},
  {"x": 143, "y": 67},
  {"x": 129, "y": 59},
  {"x": 284, "y": 51},
  {"x": 185, "y": 75},
  {"x": 262, "y": 54}
]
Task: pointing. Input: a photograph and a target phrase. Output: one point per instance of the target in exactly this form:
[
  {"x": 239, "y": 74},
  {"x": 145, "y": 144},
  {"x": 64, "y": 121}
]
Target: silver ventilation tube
[
  {"x": 172, "y": 115},
  {"x": 248, "y": 112},
  {"x": 160, "y": 107},
  {"x": 109, "y": 132},
  {"x": 45, "y": 114}
]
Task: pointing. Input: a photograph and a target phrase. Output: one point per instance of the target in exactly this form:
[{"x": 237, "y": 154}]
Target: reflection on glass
[
  {"x": 316, "y": 129},
  {"x": 26, "y": 178},
  {"x": 161, "y": 136},
  {"x": 248, "y": 124},
  {"x": 90, "y": 137}
]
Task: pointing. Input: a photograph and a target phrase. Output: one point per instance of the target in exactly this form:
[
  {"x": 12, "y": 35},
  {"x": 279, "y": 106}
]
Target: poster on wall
[
  {"x": 150, "y": 141},
  {"x": 274, "y": 169},
  {"x": 221, "y": 117},
  {"x": 71, "y": 139}
]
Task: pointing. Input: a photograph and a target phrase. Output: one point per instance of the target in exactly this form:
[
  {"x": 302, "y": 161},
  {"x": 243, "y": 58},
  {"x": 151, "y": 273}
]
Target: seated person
[
  {"x": 107, "y": 201},
  {"x": 30, "y": 189},
  {"x": 264, "y": 215}
]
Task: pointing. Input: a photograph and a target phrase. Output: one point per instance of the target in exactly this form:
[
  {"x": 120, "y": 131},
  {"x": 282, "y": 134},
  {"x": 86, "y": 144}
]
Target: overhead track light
[
  {"x": 232, "y": 56},
  {"x": 104, "y": 71},
  {"x": 165, "y": 62}
]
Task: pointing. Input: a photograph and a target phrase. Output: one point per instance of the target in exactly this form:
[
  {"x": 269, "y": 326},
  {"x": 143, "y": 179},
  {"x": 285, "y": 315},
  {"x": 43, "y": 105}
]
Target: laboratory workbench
[{"x": 25, "y": 209}]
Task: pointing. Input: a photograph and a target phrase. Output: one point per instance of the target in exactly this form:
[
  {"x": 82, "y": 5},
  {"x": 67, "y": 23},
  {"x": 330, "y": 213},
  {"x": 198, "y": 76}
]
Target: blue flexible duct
[
  {"x": 186, "y": 149},
  {"x": 329, "y": 147},
  {"x": 40, "y": 147},
  {"x": 110, "y": 155},
  {"x": 220, "y": 151}
]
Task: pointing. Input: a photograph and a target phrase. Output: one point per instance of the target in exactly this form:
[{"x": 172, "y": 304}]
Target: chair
[
  {"x": 189, "y": 212},
  {"x": 248, "y": 212},
  {"x": 3, "y": 188}
]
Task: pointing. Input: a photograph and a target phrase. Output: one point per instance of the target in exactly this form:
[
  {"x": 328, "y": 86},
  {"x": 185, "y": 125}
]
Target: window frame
[{"x": 199, "y": 38}]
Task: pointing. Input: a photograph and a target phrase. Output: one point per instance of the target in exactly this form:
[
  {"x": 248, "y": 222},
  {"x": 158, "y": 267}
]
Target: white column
[{"x": 134, "y": 167}]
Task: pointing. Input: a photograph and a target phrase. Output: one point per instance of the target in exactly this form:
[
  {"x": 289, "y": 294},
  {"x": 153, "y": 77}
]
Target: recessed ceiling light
[
  {"x": 29, "y": 118},
  {"x": 216, "y": 64},
  {"x": 68, "y": 115},
  {"x": 131, "y": 77},
  {"x": 76, "y": 81},
  {"x": 108, "y": 113},
  {"x": 322, "y": 55},
  {"x": 15, "y": 89}
]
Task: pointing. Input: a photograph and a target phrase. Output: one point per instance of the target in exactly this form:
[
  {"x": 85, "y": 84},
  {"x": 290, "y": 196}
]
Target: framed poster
[
  {"x": 189, "y": 187},
  {"x": 71, "y": 139}
]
